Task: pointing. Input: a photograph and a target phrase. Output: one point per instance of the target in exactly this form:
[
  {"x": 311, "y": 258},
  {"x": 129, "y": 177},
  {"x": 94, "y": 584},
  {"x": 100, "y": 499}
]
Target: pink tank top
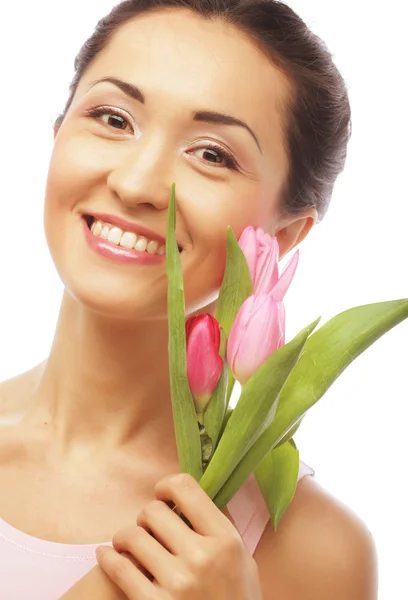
[{"x": 42, "y": 570}]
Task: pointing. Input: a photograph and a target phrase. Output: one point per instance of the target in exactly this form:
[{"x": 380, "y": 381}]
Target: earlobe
[{"x": 295, "y": 232}]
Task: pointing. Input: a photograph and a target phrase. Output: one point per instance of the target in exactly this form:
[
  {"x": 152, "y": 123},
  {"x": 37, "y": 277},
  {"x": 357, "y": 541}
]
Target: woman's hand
[{"x": 209, "y": 563}]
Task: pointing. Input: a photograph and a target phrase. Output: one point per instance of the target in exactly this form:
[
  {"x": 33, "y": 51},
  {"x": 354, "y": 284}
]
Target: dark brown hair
[{"x": 317, "y": 119}]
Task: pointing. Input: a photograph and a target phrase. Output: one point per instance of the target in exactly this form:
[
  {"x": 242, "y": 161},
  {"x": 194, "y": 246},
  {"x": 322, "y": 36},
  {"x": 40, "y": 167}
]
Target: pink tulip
[
  {"x": 204, "y": 364},
  {"x": 258, "y": 331},
  {"x": 262, "y": 254}
]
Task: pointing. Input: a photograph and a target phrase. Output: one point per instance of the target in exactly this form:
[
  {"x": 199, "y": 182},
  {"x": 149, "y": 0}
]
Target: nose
[{"x": 144, "y": 174}]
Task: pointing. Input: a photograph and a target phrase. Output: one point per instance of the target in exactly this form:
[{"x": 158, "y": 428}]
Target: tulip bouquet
[{"x": 245, "y": 341}]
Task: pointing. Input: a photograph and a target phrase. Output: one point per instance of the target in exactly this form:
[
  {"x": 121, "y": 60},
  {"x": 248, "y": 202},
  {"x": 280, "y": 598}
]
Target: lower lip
[{"x": 117, "y": 253}]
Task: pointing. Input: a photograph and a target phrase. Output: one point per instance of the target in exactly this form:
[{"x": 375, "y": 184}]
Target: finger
[
  {"x": 125, "y": 575},
  {"x": 137, "y": 564},
  {"x": 194, "y": 503},
  {"x": 167, "y": 527},
  {"x": 147, "y": 551}
]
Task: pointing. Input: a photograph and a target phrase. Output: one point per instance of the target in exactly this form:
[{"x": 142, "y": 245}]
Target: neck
[{"x": 106, "y": 384}]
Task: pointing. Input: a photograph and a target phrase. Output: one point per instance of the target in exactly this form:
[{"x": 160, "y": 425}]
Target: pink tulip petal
[
  {"x": 214, "y": 364},
  {"x": 282, "y": 323},
  {"x": 204, "y": 364},
  {"x": 248, "y": 245},
  {"x": 267, "y": 271},
  {"x": 239, "y": 328},
  {"x": 259, "y": 233},
  {"x": 280, "y": 288},
  {"x": 259, "y": 337}
]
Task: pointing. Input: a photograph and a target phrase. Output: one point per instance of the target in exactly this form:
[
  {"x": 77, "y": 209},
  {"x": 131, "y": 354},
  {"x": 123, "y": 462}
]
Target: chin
[
  {"x": 118, "y": 291},
  {"x": 115, "y": 291},
  {"x": 113, "y": 303}
]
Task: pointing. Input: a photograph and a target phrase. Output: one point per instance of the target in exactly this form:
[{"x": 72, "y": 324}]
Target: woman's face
[{"x": 188, "y": 72}]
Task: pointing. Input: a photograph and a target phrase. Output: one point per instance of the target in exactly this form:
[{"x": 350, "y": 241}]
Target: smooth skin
[{"x": 87, "y": 447}]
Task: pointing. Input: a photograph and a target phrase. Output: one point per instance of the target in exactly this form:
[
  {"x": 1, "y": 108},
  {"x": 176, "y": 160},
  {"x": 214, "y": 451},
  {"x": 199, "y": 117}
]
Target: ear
[{"x": 293, "y": 230}]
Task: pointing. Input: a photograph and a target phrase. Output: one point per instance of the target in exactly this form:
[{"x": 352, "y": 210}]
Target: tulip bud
[
  {"x": 262, "y": 254},
  {"x": 257, "y": 332},
  {"x": 204, "y": 364}
]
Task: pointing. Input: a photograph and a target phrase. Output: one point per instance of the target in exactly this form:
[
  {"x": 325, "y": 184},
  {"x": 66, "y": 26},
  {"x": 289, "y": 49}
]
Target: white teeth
[
  {"x": 97, "y": 228},
  {"x": 152, "y": 247},
  {"x": 115, "y": 235},
  {"x": 141, "y": 244},
  {"x": 128, "y": 240},
  {"x": 105, "y": 232}
]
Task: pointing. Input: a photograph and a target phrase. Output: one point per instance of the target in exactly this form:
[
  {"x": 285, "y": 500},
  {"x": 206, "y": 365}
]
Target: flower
[
  {"x": 204, "y": 364},
  {"x": 262, "y": 254},
  {"x": 257, "y": 332}
]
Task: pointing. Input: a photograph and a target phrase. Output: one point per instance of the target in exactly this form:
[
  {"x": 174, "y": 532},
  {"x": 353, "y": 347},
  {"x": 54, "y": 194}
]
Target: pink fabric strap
[
  {"x": 42, "y": 570},
  {"x": 249, "y": 510}
]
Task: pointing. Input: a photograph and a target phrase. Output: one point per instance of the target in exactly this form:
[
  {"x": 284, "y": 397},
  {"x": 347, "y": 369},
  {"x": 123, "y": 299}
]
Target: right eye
[{"x": 117, "y": 119}]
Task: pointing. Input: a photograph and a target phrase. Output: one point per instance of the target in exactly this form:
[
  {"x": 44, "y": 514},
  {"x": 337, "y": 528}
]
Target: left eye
[
  {"x": 218, "y": 156},
  {"x": 116, "y": 117}
]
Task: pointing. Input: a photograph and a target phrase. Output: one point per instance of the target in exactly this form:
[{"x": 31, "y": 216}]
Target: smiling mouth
[{"x": 125, "y": 239}]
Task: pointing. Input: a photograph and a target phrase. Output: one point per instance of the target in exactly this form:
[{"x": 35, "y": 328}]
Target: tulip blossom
[
  {"x": 262, "y": 254},
  {"x": 235, "y": 443},
  {"x": 204, "y": 364},
  {"x": 257, "y": 332}
]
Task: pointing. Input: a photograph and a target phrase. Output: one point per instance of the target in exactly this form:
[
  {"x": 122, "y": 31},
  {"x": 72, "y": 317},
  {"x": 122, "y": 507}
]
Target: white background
[{"x": 355, "y": 436}]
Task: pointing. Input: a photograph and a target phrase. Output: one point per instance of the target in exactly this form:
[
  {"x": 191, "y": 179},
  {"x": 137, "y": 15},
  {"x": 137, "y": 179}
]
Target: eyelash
[{"x": 230, "y": 162}]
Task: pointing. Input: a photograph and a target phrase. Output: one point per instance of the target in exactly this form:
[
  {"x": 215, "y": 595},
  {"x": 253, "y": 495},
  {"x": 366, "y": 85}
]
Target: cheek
[
  {"x": 77, "y": 167},
  {"x": 76, "y": 170},
  {"x": 211, "y": 217},
  {"x": 208, "y": 221}
]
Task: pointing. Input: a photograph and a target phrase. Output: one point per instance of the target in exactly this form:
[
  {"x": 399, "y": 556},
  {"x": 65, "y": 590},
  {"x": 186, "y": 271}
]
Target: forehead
[{"x": 190, "y": 63}]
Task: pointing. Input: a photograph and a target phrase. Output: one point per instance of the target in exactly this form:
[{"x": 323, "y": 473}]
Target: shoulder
[{"x": 320, "y": 550}]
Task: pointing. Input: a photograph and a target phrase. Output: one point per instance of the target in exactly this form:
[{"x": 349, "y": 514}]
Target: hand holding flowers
[{"x": 174, "y": 561}]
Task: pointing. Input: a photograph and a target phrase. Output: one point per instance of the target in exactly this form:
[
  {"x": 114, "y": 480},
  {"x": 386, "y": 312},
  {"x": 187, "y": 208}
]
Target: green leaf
[
  {"x": 231, "y": 384},
  {"x": 277, "y": 476},
  {"x": 184, "y": 413},
  {"x": 290, "y": 433},
  {"x": 215, "y": 411},
  {"x": 236, "y": 288},
  {"x": 216, "y": 408},
  {"x": 236, "y": 285},
  {"x": 326, "y": 355},
  {"x": 328, "y": 352},
  {"x": 254, "y": 412},
  {"x": 227, "y": 417}
]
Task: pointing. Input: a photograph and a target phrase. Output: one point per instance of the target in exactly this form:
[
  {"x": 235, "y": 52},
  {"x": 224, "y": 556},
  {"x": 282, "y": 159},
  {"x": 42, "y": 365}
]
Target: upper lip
[{"x": 128, "y": 226}]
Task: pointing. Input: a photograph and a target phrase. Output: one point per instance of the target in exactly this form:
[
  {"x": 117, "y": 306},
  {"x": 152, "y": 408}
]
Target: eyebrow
[{"x": 206, "y": 116}]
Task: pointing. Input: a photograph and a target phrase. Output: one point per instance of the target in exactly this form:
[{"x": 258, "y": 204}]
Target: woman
[{"x": 240, "y": 105}]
